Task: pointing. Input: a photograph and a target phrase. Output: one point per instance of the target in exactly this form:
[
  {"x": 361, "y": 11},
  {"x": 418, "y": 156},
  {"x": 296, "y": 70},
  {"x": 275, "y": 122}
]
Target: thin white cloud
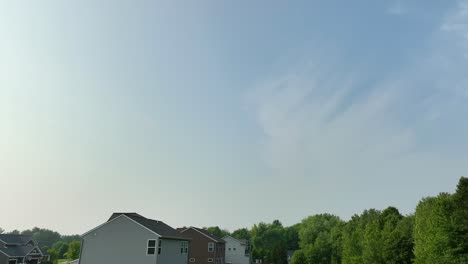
[
  {"x": 319, "y": 132},
  {"x": 457, "y": 24},
  {"x": 397, "y": 8}
]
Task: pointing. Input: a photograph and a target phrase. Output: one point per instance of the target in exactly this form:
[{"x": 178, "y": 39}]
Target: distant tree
[
  {"x": 61, "y": 247},
  {"x": 54, "y": 255},
  {"x": 242, "y": 233},
  {"x": 299, "y": 258},
  {"x": 14, "y": 232},
  {"x": 353, "y": 243},
  {"x": 44, "y": 237},
  {"x": 460, "y": 221},
  {"x": 432, "y": 230},
  {"x": 396, "y": 237},
  {"x": 70, "y": 238},
  {"x": 292, "y": 237},
  {"x": 269, "y": 243},
  {"x": 317, "y": 238},
  {"x": 215, "y": 230},
  {"x": 73, "y": 250},
  {"x": 1, "y": 230}
]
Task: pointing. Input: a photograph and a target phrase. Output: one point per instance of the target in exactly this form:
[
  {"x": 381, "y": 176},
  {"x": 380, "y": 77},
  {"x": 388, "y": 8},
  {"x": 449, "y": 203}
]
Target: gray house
[
  {"x": 131, "y": 238},
  {"x": 16, "y": 249}
]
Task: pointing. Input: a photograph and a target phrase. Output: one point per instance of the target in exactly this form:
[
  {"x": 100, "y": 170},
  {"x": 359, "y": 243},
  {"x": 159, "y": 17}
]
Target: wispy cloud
[
  {"x": 321, "y": 125},
  {"x": 457, "y": 24},
  {"x": 397, "y": 8}
]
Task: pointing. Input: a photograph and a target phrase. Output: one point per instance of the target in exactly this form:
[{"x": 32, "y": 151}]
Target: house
[
  {"x": 131, "y": 238},
  {"x": 205, "y": 248},
  {"x": 237, "y": 250},
  {"x": 16, "y": 249}
]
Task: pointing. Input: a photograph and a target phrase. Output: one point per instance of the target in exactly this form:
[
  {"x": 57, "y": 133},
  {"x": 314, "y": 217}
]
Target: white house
[
  {"x": 131, "y": 238},
  {"x": 237, "y": 250}
]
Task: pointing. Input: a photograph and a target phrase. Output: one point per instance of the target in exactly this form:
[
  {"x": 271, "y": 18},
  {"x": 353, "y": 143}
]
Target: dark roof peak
[
  {"x": 207, "y": 234},
  {"x": 12, "y": 239},
  {"x": 155, "y": 226},
  {"x": 115, "y": 215}
]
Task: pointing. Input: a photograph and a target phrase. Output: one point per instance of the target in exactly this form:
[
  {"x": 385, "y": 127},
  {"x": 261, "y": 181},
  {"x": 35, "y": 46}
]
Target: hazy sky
[{"x": 228, "y": 112}]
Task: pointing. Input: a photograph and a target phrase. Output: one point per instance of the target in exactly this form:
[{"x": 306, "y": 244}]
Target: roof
[
  {"x": 15, "y": 239},
  {"x": 206, "y": 233},
  {"x": 18, "y": 251},
  {"x": 156, "y": 226},
  {"x": 242, "y": 241}
]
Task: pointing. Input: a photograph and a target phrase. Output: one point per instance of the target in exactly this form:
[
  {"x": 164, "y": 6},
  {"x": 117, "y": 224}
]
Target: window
[
  {"x": 184, "y": 247},
  {"x": 211, "y": 247},
  {"x": 159, "y": 247},
  {"x": 12, "y": 261},
  {"x": 151, "y": 247},
  {"x": 229, "y": 249},
  {"x": 234, "y": 249},
  {"x": 192, "y": 260},
  {"x": 210, "y": 260}
]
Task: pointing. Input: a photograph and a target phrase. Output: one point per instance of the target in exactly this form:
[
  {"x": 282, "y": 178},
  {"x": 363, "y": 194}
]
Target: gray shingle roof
[
  {"x": 158, "y": 227},
  {"x": 15, "y": 239},
  {"x": 17, "y": 251},
  {"x": 206, "y": 233}
]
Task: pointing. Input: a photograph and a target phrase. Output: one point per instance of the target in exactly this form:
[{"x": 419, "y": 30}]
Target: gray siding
[
  {"x": 170, "y": 253},
  {"x": 120, "y": 241},
  {"x": 3, "y": 259}
]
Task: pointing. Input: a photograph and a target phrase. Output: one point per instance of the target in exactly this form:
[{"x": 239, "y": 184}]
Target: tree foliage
[
  {"x": 73, "y": 250},
  {"x": 320, "y": 239},
  {"x": 215, "y": 230},
  {"x": 61, "y": 247},
  {"x": 436, "y": 234},
  {"x": 441, "y": 227},
  {"x": 242, "y": 233}
]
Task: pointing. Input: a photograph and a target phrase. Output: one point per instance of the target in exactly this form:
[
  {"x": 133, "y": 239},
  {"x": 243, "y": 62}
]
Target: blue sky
[{"x": 228, "y": 112}]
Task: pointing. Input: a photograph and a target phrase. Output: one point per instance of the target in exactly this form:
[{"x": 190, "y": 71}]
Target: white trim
[
  {"x": 5, "y": 253},
  {"x": 201, "y": 233},
  {"x": 36, "y": 247},
  {"x": 213, "y": 248},
  {"x": 232, "y": 238},
  {"x": 94, "y": 229},
  {"x": 184, "y": 246},
  {"x": 155, "y": 246},
  {"x": 99, "y": 226}
]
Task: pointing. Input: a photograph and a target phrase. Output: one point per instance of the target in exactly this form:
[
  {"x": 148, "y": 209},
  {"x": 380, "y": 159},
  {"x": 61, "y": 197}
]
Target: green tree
[
  {"x": 242, "y": 233},
  {"x": 73, "y": 250},
  {"x": 459, "y": 235},
  {"x": 299, "y": 258},
  {"x": 292, "y": 237},
  {"x": 215, "y": 230},
  {"x": 269, "y": 243},
  {"x": 353, "y": 241},
  {"x": 432, "y": 230},
  {"x": 70, "y": 238},
  {"x": 54, "y": 255},
  {"x": 44, "y": 237},
  {"x": 15, "y": 232},
  {"x": 61, "y": 247},
  {"x": 319, "y": 238}
]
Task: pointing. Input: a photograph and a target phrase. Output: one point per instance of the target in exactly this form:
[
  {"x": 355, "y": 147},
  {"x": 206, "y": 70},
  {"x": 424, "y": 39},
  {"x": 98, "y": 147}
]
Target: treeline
[
  {"x": 51, "y": 242},
  {"x": 436, "y": 233}
]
